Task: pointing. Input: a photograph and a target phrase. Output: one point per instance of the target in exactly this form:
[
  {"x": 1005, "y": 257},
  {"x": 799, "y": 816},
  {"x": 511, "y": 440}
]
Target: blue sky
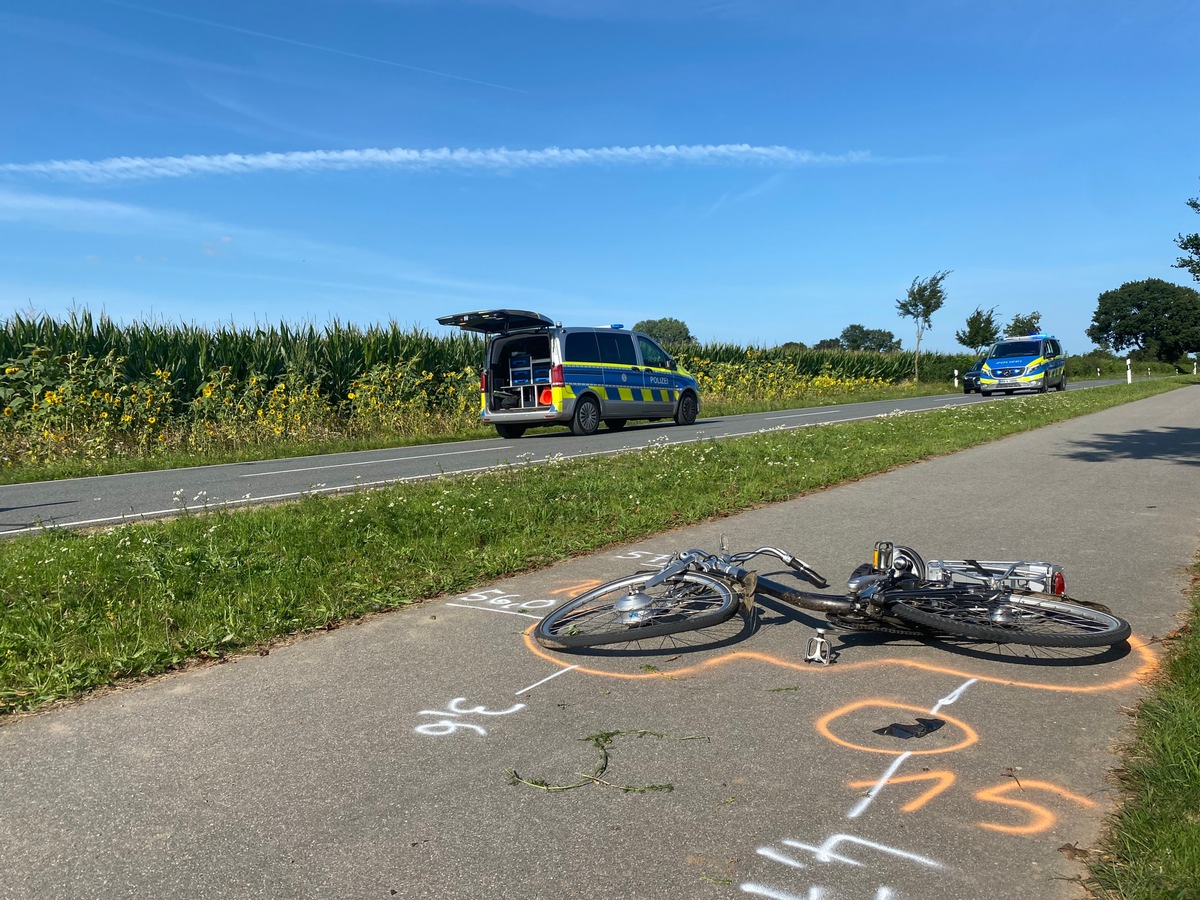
[{"x": 766, "y": 171}]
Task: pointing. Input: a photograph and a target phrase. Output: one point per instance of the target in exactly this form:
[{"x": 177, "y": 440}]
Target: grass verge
[
  {"x": 1152, "y": 849},
  {"x": 84, "y": 610}
]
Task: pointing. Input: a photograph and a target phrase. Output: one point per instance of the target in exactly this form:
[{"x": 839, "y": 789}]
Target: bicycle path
[{"x": 372, "y": 761}]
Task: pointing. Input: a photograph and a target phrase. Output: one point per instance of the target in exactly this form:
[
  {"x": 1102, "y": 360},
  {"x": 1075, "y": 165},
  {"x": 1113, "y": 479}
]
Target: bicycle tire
[
  {"x": 1010, "y": 617},
  {"x": 690, "y": 601}
]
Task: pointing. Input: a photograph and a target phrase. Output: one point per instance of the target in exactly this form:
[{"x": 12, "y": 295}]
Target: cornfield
[
  {"x": 330, "y": 357},
  {"x": 89, "y": 389}
]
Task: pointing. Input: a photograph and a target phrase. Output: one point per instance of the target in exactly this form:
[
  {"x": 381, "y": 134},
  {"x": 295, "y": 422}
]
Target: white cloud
[
  {"x": 126, "y": 168},
  {"x": 77, "y": 213}
]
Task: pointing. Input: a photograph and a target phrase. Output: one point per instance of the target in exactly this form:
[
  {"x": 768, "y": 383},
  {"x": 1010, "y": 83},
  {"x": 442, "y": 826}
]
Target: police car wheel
[
  {"x": 587, "y": 417},
  {"x": 685, "y": 413},
  {"x": 615, "y": 424}
]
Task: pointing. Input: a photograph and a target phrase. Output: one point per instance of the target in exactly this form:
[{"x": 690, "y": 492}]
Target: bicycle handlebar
[{"x": 793, "y": 562}]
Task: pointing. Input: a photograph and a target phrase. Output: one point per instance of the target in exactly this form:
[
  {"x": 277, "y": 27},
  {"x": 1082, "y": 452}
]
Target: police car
[
  {"x": 1033, "y": 362},
  {"x": 536, "y": 372}
]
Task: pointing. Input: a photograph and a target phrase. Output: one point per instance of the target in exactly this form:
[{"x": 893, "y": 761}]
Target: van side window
[
  {"x": 581, "y": 347},
  {"x": 616, "y": 349},
  {"x": 1052, "y": 348},
  {"x": 652, "y": 354}
]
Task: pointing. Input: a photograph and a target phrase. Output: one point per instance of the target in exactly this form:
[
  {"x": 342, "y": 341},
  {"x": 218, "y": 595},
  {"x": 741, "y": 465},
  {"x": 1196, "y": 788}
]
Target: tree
[
  {"x": 981, "y": 331},
  {"x": 1190, "y": 245},
  {"x": 875, "y": 340},
  {"x": 793, "y": 346},
  {"x": 666, "y": 331},
  {"x": 1155, "y": 316},
  {"x": 925, "y": 297},
  {"x": 1024, "y": 324},
  {"x": 829, "y": 344}
]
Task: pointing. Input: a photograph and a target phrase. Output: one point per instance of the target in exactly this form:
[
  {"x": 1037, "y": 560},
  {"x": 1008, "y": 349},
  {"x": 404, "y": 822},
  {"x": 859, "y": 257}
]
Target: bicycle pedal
[{"x": 819, "y": 649}]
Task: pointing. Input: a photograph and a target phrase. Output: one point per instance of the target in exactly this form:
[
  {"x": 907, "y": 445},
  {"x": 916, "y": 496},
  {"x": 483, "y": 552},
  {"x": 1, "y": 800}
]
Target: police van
[
  {"x": 1033, "y": 362},
  {"x": 536, "y": 372}
]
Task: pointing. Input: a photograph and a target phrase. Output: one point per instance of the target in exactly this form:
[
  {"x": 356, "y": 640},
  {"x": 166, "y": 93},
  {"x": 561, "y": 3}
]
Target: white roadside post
[
  {"x": 956, "y": 377},
  {"x": 1128, "y": 370}
]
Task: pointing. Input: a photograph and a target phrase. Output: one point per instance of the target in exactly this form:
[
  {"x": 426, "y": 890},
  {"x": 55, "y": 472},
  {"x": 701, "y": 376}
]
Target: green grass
[
  {"x": 84, "y": 610},
  {"x": 1152, "y": 851}
]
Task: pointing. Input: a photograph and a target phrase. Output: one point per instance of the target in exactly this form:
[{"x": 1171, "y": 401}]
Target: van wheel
[
  {"x": 510, "y": 431},
  {"x": 1044, "y": 386},
  {"x": 615, "y": 424},
  {"x": 985, "y": 393},
  {"x": 685, "y": 413},
  {"x": 587, "y": 416},
  {"x": 1062, "y": 385}
]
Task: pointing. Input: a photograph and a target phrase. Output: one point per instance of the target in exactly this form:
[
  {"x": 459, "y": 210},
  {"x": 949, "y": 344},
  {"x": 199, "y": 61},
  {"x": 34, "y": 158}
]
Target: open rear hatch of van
[{"x": 496, "y": 321}]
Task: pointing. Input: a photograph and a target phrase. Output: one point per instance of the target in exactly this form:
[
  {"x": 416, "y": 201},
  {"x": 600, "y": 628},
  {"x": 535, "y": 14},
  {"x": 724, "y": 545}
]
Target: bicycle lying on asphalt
[{"x": 898, "y": 592}]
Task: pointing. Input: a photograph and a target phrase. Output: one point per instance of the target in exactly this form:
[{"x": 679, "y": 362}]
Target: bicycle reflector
[{"x": 1058, "y": 583}]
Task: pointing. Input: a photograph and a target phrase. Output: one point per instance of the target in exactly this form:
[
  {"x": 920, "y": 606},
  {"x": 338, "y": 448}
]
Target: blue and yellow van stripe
[
  {"x": 571, "y": 391},
  {"x": 575, "y": 384}
]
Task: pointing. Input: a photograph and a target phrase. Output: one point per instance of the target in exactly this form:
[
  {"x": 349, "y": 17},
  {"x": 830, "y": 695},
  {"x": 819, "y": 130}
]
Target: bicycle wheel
[
  {"x": 1008, "y": 617},
  {"x": 689, "y": 601}
]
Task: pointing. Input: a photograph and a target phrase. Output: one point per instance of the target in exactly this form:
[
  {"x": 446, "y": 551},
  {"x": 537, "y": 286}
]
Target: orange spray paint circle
[{"x": 824, "y": 726}]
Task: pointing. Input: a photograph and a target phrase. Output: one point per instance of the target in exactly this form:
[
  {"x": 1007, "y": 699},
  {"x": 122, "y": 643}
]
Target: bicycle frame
[
  {"x": 748, "y": 583},
  {"x": 895, "y": 567},
  {"x": 898, "y": 592}
]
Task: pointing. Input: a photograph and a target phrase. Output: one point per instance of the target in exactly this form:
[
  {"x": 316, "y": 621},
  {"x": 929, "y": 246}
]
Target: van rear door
[{"x": 496, "y": 321}]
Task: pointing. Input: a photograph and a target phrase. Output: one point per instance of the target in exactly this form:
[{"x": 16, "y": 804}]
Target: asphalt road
[
  {"x": 371, "y": 761},
  {"x": 113, "y": 499}
]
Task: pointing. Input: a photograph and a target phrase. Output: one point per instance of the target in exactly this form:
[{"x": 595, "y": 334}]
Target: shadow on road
[{"x": 1181, "y": 445}]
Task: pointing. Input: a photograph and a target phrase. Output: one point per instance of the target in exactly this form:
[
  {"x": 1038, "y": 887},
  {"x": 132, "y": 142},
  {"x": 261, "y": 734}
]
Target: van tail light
[
  {"x": 483, "y": 381},
  {"x": 556, "y": 375},
  {"x": 1058, "y": 584}
]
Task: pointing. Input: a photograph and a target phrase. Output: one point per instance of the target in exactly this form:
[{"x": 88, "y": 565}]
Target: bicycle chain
[{"x": 852, "y": 622}]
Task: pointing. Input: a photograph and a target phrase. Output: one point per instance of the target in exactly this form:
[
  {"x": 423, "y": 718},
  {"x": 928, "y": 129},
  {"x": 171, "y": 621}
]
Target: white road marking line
[
  {"x": 952, "y": 696},
  {"x": 815, "y": 412},
  {"x": 878, "y": 786},
  {"x": 366, "y": 462},
  {"x": 508, "y": 612},
  {"x": 547, "y": 678}
]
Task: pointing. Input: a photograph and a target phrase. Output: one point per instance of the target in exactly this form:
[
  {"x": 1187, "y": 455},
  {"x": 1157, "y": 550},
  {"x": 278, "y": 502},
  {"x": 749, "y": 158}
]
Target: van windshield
[{"x": 1015, "y": 348}]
